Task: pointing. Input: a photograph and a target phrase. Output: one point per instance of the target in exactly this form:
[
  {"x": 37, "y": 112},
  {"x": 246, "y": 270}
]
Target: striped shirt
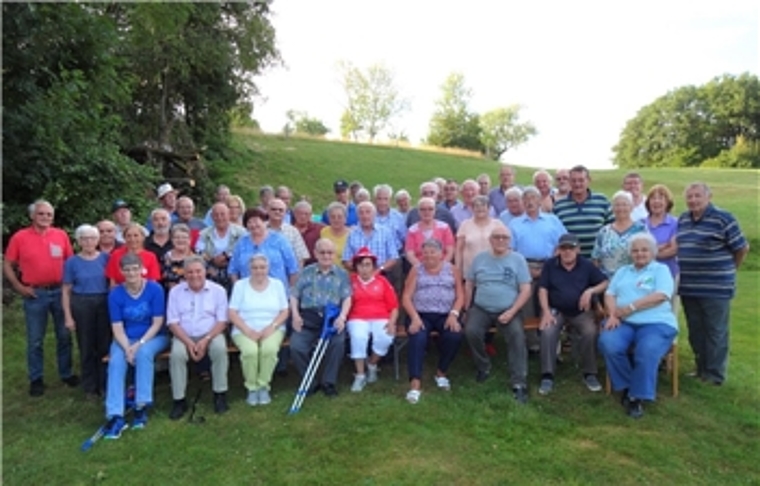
[
  {"x": 585, "y": 219},
  {"x": 706, "y": 248}
]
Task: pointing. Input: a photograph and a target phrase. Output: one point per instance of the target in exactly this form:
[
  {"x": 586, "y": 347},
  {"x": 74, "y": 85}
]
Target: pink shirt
[
  {"x": 476, "y": 239},
  {"x": 416, "y": 236}
]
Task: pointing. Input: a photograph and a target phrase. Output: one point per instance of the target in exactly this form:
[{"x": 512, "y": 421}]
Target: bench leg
[{"x": 398, "y": 345}]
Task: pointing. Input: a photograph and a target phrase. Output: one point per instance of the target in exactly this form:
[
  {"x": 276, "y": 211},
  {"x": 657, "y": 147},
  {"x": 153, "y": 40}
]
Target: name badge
[{"x": 56, "y": 251}]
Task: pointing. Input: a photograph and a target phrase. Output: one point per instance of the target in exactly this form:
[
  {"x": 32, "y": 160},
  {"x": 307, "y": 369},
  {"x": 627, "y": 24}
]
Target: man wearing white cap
[{"x": 167, "y": 197}]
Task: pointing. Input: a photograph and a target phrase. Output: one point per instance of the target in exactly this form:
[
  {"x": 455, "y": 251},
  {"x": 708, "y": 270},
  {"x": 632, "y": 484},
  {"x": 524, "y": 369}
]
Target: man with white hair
[
  {"x": 310, "y": 230},
  {"x": 430, "y": 189},
  {"x": 484, "y": 184},
  {"x": 276, "y": 212},
  {"x": 284, "y": 194},
  {"x": 368, "y": 234},
  {"x": 463, "y": 210},
  {"x": 514, "y": 205},
  {"x": 403, "y": 202},
  {"x": 220, "y": 196},
  {"x": 386, "y": 215},
  {"x": 562, "y": 176},
  {"x": 159, "y": 241},
  {"x": 39, "y": 252}
]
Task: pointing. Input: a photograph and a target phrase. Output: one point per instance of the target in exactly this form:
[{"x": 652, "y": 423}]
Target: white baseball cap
[{"x": 164, "y": 189}]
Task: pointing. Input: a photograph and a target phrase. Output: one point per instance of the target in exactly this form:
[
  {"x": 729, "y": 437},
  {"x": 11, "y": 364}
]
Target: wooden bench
[{"x": 402, "y": 339}]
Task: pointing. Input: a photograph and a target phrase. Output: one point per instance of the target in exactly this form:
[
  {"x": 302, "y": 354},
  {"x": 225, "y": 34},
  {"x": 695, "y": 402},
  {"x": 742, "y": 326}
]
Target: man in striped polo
[
  {"x": 583, "y": 212},
  {"x": 711, "y": 247}
]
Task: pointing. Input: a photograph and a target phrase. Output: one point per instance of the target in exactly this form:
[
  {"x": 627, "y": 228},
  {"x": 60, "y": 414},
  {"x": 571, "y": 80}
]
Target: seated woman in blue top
[
  {"x": 282, "y": 260},
  {"x": 137, "y": 321},
  {"x": 638, "y": 305}
]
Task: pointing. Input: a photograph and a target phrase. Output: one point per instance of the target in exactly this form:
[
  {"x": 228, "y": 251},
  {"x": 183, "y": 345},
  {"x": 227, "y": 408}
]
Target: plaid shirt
[
  {"x": 315, "y": 289},
  {"x": 381, "y": 241}
]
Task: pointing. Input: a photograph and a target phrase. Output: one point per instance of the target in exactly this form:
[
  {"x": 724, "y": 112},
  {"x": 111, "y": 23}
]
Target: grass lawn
[{"x": 474, "y": 434}]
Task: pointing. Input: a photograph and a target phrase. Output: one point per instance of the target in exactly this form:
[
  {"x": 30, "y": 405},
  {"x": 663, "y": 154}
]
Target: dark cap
[
  {"x": 340, "y": 185},
  {"x": 118, "y": 204},
  {"x": 568, "y": 239}
]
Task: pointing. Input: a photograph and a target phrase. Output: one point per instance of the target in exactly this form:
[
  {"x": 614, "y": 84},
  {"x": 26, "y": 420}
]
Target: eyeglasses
[
  {"x": 500, "y": 237},
  {"x": 427, "y": 209},
  {"x": 277, "y": 210},
  {"x": 234, "y": 207},
  {"x": 325, "y": 252},
  {"x": 40, "y": 213}
]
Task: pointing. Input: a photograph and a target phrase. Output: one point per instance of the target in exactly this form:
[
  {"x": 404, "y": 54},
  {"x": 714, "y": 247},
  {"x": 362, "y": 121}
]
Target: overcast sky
[{"x": 581, "y": 69}]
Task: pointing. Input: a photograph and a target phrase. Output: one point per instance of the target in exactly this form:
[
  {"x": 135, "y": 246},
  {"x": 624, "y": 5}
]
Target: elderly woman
[
  {"x": 425, "y": 229},
  {"x": 173, "y": 266},
  {"x": 136, "y": 308},
  {"x": 237, "y": 209},
  {"x": 611, "y": 247},
  {"x": 336, "y": 231},
  {"x": 85, "y": 307},
  {"x": 374, "y": 310},
  {"x": 639, "y": 315},
  {"x": 282, "y": 261},
  {"x": 433, "y": 296},
  {"x": 474, "y": 233},
  {"x": 134, "y": 236},
  {"x": 663, "y": 226},
  {"x": 216, "y": 244},
  {"x": 258, "y": 310}
]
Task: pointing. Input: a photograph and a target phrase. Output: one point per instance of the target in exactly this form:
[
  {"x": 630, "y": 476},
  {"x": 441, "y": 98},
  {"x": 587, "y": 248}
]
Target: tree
[
  {"x": 501, "y": 130},
  {"x": 373, "y": 99},
  {"x": 300, "y": 122},
  {"x": 453, "y": 124},
  {"x": 349, "y": 127},
  {"x": 693, "y": 124}
]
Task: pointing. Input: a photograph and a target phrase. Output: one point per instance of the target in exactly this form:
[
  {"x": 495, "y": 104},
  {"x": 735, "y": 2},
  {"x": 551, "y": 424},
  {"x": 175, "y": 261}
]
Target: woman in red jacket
[{"x": 374, "y": 309}]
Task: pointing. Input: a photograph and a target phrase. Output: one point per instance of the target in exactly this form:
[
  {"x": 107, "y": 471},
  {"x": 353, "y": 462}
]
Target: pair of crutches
[{"x": 331, "y": 312}]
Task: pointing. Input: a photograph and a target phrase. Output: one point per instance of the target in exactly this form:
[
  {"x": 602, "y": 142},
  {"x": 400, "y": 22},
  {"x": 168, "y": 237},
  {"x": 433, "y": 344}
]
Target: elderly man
[
  {"x": 197, "y": 317},
  {"x": 514, "y": 205},
  {"x": 159, "y": 241},
  {"x": 386, "y": 215},
  {"x": 340, "y": 188},
  {"x": 379, "y": 239},
  {"x": 583, "y": 212},
  {"x": 497, "y": 195},
  {"x": 122, "y": 216},
  {"x": 284, "y": 194},
  {"x": 107, "y": 242},
  {"x": 38, "y": 252},
  {"x": 567, "y": 286},
  {"x": 309, "y": 229},
  {"x": 463, "y": 210},
  {"x": 633, "y": 183},
  {"x": 186, "y": 215},
  {"x": 430, "y": 189},
  {"x": 403, "y": 202},
  {"x": 266, "y": 193},
  {"x": 216, "y": 243},
  {"x": 711, "y": 248},
  {"x": 167, "y": 198},
  {"x": 450, "y": 194},
  {"x": 277, "y": 223},
  {"x": 562, "y": 176},
  {"x": 320, "y": 284},
  {"x": 484, "y": 184},
  {"x": 220, "y": 196},
  {"x": 503, "y": 282}
]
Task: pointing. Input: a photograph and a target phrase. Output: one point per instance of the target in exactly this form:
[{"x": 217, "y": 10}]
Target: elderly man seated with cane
[
  {"x": 318, "y": 285},
  {"x": 197, "y": 317}
]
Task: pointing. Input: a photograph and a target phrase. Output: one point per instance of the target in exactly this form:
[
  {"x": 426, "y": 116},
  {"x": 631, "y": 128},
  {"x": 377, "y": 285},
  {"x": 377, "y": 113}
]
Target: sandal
[{"x": 413, "y": 396}]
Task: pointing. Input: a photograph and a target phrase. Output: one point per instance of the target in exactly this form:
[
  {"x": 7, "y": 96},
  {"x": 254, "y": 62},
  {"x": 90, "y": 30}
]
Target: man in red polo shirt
[{"x": 39, "y": 252}]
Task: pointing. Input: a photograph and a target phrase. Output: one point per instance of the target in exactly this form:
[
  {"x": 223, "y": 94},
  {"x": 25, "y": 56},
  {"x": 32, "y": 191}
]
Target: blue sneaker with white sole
[
  {"x": 141, "y": 418},
  {"x": 115, "y": 426}
]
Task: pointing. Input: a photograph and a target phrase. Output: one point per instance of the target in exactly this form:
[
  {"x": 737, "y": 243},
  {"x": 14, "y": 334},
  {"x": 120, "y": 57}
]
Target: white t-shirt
[{"x": 258, "y": 309}]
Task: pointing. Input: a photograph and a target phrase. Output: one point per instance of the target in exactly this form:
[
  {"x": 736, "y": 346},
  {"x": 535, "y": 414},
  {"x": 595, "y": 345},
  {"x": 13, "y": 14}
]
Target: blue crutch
[{"x": 331, "y": 312}]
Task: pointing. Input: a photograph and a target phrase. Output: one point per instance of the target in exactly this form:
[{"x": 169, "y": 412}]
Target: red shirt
[
  {"x": 372, "y": 300},
  {"x": 310, "y": 235},
  {"x": 151, "y": 268},
  {"x": 39, "y": 255}
]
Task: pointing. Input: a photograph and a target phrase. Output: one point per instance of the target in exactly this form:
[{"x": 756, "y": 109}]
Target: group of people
[{"x": 465, "y": 258}]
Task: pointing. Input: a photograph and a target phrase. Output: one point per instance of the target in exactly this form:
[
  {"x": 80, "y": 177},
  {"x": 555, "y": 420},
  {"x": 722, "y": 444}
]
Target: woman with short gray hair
[
  {"x": 173, "y": 266},
  {"x": 611, "y": 247}
]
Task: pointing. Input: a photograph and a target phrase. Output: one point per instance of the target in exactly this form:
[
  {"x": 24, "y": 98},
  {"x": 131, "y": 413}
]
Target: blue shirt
[
  {"x": 315, "y": 289},
  {"x": 395, "y": 222},
  {"x": 630, "y": 284},
  {"x": 136, "y": 314},
  {"x": 282, "y": 260},
  {"x": 208, "y": 220},
  {"x": 706, "y": 250},
  {"x": 536, "y": 239},
  {"x": 351, "y": 218},
  {"x": 86, "y": 276},
  {"x": 380, "y": 241},
  {"x": 564, "y": 287},
  {"x": 506, "y": 217},
  {"x": 462, "y": 213},
  {"x": 585, "y": 219}
]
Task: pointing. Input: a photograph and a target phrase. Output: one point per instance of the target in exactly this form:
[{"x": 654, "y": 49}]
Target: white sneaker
[
  {"x": 371, "y": 373},
  {"x": 443, "y": 383},
  {"x": 253, "y": 398},
  {"x": 264, "y": 398},
  {"x": 359, "y": 383},
  {"x": 413, "y": 396}
]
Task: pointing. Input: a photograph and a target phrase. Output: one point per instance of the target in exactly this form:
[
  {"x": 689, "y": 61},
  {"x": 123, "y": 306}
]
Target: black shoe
[
  {"x": 329, "y": 390},
  {"x": 178, "y": 410},
  {"x": 314, "y": 390},
  {"x": 72, "y": 381},
  {"x": 635, "y": 409},
  {"x": 220, "y": 403},
  {"x": 625, "y": 399},
  {"x": 482, "y": 376},
  {"x": 36, "y": 388},
  {"x": 521, "y": 394}
]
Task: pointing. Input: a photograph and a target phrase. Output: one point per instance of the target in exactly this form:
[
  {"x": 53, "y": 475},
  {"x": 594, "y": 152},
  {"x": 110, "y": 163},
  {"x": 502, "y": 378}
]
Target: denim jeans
[
  {"x": 36, "y": 315},
  {"x": 707, "y": 320},
  {"x": 639, "y": 375},
  {"x": 144, "y": 372}
]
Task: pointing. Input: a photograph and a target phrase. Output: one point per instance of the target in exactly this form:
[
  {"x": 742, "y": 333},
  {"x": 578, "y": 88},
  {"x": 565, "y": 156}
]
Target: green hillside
[{"x": 309, "y": 167}]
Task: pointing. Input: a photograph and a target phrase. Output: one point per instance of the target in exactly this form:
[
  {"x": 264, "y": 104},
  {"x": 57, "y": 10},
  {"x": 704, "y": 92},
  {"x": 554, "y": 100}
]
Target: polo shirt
[
  {"x": 196, "y": 312},
  {"x": 706, "y": 248},
  {"x": 586, "y": 218},
  {"x": 536, "y": 239},
  {"x": 39, "y": 255},
  {"x": 564, "y": 287}
]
